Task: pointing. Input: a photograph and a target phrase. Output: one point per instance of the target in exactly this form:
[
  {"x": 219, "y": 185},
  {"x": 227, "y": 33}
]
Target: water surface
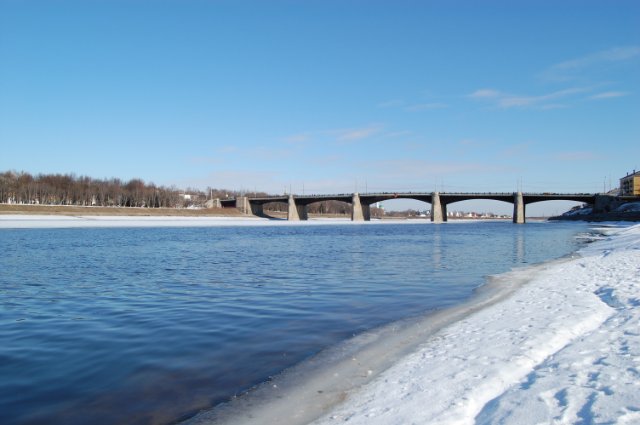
[{"x": 149, "y": 325}]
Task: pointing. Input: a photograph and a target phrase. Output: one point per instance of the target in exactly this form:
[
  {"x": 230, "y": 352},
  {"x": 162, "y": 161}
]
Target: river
[{"x": 150, "y": 325}]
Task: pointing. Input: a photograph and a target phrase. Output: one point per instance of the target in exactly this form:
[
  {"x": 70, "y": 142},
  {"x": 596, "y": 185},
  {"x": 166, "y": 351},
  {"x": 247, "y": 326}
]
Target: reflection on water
[
  {"x": 146, "y": 326},
  {"x": 437, "y": 248},
  {"x": 519, "y": 239}
]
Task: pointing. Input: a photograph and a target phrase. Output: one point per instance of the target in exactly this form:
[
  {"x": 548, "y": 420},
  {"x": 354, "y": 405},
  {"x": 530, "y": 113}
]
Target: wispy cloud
[
  {"x": 609, "y": 95},
  {"x": 341, "y": 135},
  {"x": 614, "y": 54},
  {"x": 569, "y": 69},
  {"x": 507, "y": 100},
  {"x": 355, "y": 134},
  {"x": 486, "y": 94}
]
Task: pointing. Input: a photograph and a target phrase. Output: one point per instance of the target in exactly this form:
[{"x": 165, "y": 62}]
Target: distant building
[{"x": 630, "y": 184}]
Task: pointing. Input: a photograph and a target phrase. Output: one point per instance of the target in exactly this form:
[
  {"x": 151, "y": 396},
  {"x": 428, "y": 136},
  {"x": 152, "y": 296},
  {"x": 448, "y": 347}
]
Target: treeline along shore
[
  {"x": 71, "y": 190},
  {"x": 25, "y": 193}
]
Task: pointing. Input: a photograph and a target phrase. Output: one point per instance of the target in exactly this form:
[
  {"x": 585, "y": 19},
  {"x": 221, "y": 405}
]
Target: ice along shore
[{"x": 564, "y": 348}]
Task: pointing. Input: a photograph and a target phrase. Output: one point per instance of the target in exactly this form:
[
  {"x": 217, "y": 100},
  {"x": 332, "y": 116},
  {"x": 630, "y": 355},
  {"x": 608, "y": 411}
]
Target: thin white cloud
[
  {"x": 354, "y": 134},
  {"x": 615, "y": 54},
  {"x": 341, "y": 135},
  {"x": 570, "y": 69},
  {"x": 486, "y": 94},
  {"x": 506, "y": 100},
  {"x": 515, "y": 101},
  {"x": 609, "y": 95}
]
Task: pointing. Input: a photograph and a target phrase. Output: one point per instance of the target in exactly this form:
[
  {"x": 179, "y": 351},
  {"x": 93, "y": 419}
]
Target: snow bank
[{"x": 565, "y": 348}]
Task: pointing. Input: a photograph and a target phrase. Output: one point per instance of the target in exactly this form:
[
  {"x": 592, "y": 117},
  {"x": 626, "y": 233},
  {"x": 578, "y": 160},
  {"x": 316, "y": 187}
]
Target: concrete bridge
[{"x": 361, "y": 203}]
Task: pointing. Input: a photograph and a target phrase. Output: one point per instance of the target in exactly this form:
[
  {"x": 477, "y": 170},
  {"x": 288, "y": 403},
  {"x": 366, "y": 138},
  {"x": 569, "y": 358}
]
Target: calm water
[{"x": 148, "y": 325}]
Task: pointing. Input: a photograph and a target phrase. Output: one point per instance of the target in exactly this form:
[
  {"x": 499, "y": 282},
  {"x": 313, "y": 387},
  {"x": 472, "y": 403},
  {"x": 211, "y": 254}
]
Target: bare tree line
[{"x": 69, "y": 189}]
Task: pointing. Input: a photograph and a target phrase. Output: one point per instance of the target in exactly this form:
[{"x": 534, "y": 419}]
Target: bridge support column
[
  {"x": 242, "y": 204},
  {"x": 518, "y": 208},
  {"x": 213, "y": 203},
  {"x": 296, "y": 212},
  {"x": 438, "y": 210},
  {"x": 292, "y": 214},
  {"x": 359, "y": 211}
]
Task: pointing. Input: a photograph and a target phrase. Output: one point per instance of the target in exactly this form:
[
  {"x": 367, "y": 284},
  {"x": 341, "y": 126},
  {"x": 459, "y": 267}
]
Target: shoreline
[
  {"x": 366, "y": 359},
  {"x": 474, "y": 363},
  {"x": 25, "y": 221},
  {"x": 563, "y": 346},
  {"x": 292, "y": 397}
]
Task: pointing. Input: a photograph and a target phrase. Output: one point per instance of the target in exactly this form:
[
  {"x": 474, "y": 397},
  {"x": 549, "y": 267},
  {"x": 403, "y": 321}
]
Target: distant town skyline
[{"x": 325, "y": 96}]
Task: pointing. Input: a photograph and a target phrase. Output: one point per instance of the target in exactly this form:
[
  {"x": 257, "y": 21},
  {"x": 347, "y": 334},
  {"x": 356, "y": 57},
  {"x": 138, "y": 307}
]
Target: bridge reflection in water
[{"x": 361, "y": 203}]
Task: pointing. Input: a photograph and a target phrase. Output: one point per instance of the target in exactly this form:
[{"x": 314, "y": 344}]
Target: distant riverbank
[{"x": 73, "y": 210}]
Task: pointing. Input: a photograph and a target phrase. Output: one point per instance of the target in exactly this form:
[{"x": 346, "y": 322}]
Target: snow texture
[{"x": 563, "y": 349}]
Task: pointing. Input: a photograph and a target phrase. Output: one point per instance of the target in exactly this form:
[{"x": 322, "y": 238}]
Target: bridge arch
[
  {"x": 297, "y": 205},
  {"x": 500, "y": 207}
]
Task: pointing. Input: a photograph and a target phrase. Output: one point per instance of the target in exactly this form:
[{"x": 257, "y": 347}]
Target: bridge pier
[
  {"x": 296, "y": 212},
  {"x": 243, "y": 205},
  {"x": 359, "y": 211},
  {"x": 518, "y": 208},
  {"x": 438, "y": 210},
  {"x": 213, "y": 203}
]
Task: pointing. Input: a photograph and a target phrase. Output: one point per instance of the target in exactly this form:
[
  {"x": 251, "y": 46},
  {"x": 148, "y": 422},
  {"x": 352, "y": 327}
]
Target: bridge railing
[{"x": 411, "y": 193}]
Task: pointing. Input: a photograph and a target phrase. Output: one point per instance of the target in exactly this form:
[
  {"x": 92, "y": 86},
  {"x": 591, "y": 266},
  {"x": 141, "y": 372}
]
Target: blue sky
[{"x": 324, "y": 96}]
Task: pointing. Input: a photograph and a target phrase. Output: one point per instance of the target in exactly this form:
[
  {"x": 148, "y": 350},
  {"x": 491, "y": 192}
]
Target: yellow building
[{"x": 630, "y": 184}]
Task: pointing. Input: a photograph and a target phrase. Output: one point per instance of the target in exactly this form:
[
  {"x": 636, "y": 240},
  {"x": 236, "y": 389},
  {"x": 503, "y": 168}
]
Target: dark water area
[{"x": 150, "y": 325}]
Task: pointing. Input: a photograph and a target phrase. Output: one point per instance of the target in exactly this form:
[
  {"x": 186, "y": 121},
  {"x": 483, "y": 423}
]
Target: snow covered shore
[{"x": 564, "y": 348}]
